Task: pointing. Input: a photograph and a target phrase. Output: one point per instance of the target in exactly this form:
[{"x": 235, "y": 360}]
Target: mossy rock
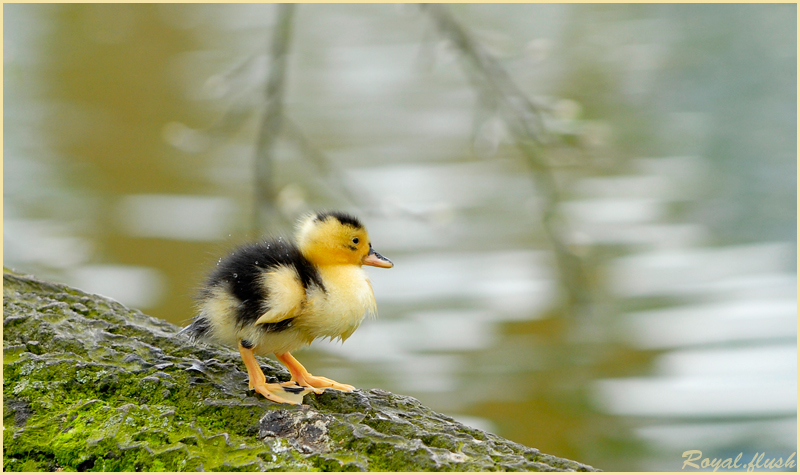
[{"x": 89, "y": 384}]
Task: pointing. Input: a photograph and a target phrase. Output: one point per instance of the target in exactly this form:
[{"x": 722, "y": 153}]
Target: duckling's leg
[
  {"x": 290, "y": 393},
  {"x": 304, "y": 378}
]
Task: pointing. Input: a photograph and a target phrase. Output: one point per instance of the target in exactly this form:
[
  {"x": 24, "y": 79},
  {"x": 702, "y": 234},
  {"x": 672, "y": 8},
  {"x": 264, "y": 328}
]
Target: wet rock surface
[{"x": 89, "y": 384}]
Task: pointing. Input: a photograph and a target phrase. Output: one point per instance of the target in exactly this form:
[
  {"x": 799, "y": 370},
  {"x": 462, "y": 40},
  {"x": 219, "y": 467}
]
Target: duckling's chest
[{"x": 337, "y": 311}]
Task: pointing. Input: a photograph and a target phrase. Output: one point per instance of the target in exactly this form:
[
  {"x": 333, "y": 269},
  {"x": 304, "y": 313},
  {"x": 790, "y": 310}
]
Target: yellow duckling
[{"x": 277, "y": 297}]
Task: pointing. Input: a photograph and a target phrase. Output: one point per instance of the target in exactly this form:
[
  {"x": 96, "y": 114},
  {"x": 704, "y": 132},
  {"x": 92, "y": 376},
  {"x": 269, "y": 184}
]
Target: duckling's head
[{"x": 336, "y": 238}]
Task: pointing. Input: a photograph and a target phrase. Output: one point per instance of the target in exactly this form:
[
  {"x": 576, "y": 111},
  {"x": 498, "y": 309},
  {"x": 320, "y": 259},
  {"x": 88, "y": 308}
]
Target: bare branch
[
  {"x": 525, "y": 122},
  {"x": 265, "y": 193}
]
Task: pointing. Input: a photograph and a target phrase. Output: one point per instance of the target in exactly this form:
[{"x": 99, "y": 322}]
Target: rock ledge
[{"x": 89, "y": 384}]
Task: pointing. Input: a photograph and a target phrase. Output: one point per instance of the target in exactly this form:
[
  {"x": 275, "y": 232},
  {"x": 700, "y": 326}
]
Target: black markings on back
[{"x": 240, "y": 273}]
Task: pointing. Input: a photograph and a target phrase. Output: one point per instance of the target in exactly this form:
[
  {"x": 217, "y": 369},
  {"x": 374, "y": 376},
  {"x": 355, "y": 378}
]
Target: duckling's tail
[{"x": 199, "y": 328}]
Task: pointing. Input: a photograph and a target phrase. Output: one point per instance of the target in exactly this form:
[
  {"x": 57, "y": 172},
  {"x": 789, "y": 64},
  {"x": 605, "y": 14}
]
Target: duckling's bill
[{"x": 375, "y": 259}]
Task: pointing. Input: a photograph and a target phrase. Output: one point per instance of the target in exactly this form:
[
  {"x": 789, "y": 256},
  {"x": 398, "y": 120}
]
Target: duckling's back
[{"x": 239, "y": 292}]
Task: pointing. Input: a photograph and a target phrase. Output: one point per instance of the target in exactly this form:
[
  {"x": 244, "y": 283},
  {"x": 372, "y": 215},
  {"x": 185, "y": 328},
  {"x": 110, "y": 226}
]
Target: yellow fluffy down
[
  {"x": 334, "y": 313},
  {"x": 286, "y": 294},
  {"x": 338, "y": 312}
]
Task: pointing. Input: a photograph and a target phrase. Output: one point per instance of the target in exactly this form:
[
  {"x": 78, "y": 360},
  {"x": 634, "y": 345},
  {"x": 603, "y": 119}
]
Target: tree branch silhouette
[
  {"x": 526, "y": 123},
  {"x": 264, "y": 207}
]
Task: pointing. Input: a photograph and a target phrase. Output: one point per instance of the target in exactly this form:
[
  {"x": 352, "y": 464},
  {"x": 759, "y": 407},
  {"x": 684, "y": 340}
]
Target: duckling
[{"x": 276, "y": 297}]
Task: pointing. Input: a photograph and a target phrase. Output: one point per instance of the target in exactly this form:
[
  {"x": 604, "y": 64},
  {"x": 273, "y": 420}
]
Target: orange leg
[
  {"x": 287, "y": 393},
  {"x": 304, "y": 378}
]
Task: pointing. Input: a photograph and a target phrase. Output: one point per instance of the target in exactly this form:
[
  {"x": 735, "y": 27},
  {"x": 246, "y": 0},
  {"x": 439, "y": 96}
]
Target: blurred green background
[{"x": 593, "y": 224}]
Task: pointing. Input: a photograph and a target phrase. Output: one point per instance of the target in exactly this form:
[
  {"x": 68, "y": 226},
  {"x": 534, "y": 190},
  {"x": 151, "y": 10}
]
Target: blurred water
[
  {"x": 128, "y": 147},
  {"x": 179, "y": 217}
]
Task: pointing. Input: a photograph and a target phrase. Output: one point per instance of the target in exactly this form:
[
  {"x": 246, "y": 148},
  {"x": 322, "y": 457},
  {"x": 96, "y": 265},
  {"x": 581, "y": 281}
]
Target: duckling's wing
[{"x": 285, "y": 294}]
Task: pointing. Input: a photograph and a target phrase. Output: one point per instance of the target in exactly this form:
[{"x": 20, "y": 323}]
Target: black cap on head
[{"x": 342, "y": 217}]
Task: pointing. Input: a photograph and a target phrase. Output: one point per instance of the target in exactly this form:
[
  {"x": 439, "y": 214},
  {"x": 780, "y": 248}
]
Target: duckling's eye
[{"x": 355, "y": 240}]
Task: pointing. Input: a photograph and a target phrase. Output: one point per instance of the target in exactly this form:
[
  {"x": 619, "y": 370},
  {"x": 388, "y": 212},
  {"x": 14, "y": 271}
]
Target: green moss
[
  {"x": 90, "y": 385},
  {"x": 403, "y": 429}
]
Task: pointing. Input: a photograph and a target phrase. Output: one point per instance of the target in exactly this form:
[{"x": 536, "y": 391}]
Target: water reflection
[
  {"x": 139, "y": 287},
  {"x": 724, "y": 322},
  {"x": 43, "y": 243},
  {"x": 129, "y": 135},
  {"x": 184, "y": 218},
  {"x": 511, "y": 284}
]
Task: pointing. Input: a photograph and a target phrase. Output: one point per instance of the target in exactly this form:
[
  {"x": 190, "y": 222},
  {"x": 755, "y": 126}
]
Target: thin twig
[
  {"x": 526, "y": 124},
  {"x": 356, "y": 194},
  {"x": 264, "y": 206}
]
